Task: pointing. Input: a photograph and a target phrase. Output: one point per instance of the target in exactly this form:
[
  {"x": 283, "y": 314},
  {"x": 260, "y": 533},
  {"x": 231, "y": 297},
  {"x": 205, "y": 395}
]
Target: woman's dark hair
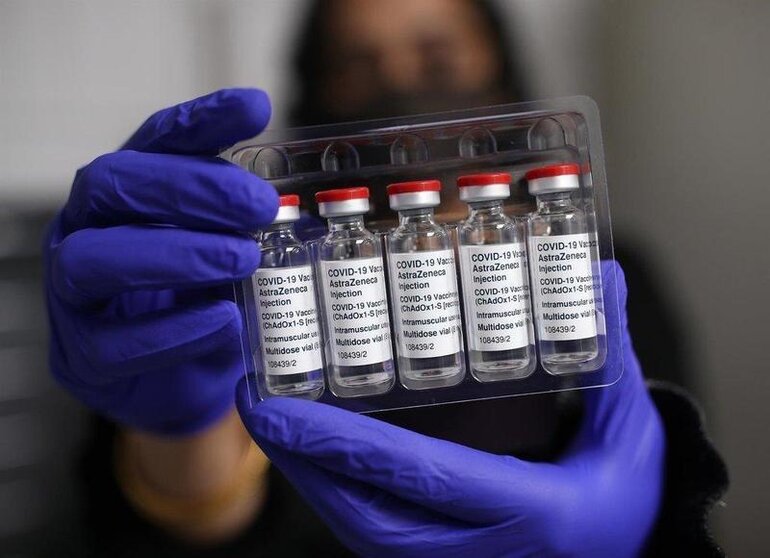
[{"x": 310, "y": 57}]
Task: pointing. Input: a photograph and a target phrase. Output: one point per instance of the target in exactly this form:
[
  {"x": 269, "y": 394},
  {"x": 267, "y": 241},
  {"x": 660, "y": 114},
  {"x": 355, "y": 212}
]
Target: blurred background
[{"x": 684, "y": 92}]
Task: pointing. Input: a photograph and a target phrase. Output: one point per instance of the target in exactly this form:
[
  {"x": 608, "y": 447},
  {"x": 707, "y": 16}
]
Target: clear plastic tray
[{"x": 509, "y": 138}]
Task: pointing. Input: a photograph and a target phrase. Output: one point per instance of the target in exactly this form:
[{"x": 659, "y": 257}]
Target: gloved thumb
[{"x": 441, "y": 476}]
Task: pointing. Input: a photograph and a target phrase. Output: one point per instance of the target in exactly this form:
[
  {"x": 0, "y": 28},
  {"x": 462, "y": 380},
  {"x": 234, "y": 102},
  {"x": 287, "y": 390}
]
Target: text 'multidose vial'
[
  {"x": 561, "y": 264},
  {"x": 423, "y": 277},
  {"x": 493, "y": 260},
  {"x": 352, "y": 282},
  {"x": 290, "y": 340}
]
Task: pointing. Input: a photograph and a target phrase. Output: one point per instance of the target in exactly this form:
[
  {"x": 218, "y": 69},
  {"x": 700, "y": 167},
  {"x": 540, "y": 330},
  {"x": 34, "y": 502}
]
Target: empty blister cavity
[
  {"x": 547, "y": 133},
  {"x": 245, "y": 157},
  {"x": 408, "y": 149},
  {"x": 340, "y": 156},
  {"x": 271, "y": 162},
  {"x": 477, "y": 142}
]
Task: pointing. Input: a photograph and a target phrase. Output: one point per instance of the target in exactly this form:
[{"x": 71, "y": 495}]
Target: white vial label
[
  {"x": 496, "y": 296},
  {"x": 288, "y": 320},
  {"x": 427, "y": 303},
  {"x": 563, "y": 286},
  {"x": 357, "y": 305}
]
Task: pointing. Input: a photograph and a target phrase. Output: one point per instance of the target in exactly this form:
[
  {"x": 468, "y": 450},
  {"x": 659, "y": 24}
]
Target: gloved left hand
[
  {"x": 136, "y": 260},
  {"x": 386, "y": 491}
]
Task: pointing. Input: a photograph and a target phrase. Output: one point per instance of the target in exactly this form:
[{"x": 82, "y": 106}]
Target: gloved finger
[
  {"x": 196, "y": 192},
  {"x": 445, "y": 477},
  {"x": 606, "y": 407},
  {"x": 615, "y": 295},
  {"x": 96, "y": 264},
  {"x": 370, "y": 521},
  {"x": 206, "y": 125},
  {"x": 108, "y": 349}
]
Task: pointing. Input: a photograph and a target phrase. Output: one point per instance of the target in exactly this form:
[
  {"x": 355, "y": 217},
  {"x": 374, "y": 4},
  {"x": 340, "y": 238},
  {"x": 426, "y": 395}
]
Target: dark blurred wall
[
  {"x": 686, "y": 133},
  {"x": 40, "y": 427}
]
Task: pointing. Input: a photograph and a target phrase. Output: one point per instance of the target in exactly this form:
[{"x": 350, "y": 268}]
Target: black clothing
[{"x": 696, "y": 478}]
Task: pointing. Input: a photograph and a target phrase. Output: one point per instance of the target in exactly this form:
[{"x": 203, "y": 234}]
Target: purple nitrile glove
[
  {"x": 136, "y": 261},
  {"x": 386, "y": 491}
]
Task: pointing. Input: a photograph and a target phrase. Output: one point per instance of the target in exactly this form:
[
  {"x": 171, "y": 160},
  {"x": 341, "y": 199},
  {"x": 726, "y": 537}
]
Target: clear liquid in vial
[
  {"x": 488, "y": 231},
  {"x": 558, "y": 233},
  {"x": 425, "y": 298},
  {"x": 357, "y": 325}
]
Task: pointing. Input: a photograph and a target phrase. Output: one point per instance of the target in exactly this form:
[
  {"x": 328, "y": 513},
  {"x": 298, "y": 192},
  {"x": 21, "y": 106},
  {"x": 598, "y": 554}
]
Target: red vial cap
[
  {"x": 288, "y": 200},
  {"x": 549, "y": 171},
  {"x": 484, "y": 179},
  {"x": 342, "y": 194},
  {"x": 414, "y": 186}
]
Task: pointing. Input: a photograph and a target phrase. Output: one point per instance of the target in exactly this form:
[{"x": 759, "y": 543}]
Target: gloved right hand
[
  {"x": 386, "y": 491},
  {"x": 136, "y": 261}
]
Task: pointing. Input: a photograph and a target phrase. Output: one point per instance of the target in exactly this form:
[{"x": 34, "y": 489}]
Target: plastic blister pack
[{"x": 433, "y": 259}]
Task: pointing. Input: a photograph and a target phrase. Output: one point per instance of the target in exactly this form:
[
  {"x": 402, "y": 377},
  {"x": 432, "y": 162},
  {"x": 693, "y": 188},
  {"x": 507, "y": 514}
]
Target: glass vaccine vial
[
  {"x": 352, "y": 282},
  {"x": 290, "y": 340},
  {"x": 493, "y": 262},
  {"x": 423, "y": 280},
  {"x": 560, "y": 249}
]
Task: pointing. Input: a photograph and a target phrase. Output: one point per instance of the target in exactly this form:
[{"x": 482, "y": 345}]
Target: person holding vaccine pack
[{"x": 139, "y": 267}]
